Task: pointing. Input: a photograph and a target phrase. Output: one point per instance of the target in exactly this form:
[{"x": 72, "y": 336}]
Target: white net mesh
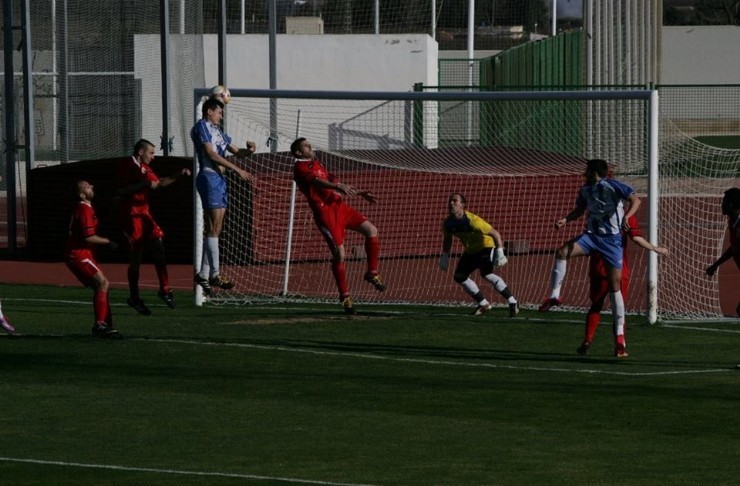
[
  {"x": 693, "y": 178},
  {"x": 508, "y": 170},
  {"x": 519, "y": 163},
  {"x": 98, "y": 75}
]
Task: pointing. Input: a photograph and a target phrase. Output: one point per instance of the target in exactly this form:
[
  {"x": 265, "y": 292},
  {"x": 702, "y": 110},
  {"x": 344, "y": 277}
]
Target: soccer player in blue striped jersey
[
  {"x": 211, "y": 147},
  {"x": 603, "y": 198},
  {"x": 484, "y": 249}
]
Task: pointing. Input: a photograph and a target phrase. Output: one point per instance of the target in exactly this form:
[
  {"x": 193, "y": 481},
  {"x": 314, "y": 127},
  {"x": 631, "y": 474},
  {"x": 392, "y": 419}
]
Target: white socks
[
  {"x": 209, "y": 264},
  {"x": 556, "y": 277},
  {"x": 617, "y": 302}
]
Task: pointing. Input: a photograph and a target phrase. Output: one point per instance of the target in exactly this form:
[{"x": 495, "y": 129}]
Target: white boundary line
[
  {"x": 696, "y": 328},
  {"x": 431, "y": 362},
  {"x": 171, "y": 471}
]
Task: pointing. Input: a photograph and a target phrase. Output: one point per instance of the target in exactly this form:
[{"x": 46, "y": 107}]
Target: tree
[{"x": 718, "y": 12}]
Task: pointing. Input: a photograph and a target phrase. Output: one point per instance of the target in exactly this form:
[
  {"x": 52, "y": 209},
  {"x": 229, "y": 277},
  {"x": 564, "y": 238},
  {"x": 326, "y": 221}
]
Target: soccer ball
[{"x": 221, "y": 93}]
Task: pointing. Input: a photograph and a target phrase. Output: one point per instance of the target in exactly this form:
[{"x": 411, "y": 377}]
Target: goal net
[{"x": 518, "y": 158}]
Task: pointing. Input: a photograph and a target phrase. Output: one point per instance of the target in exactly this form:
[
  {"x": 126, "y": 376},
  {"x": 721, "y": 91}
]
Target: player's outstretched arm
[
  {"x": 214, "y": 157},
  {"x": 497, "y": 254},
  {"x": 660, "y": 250},
  {"x": 101, "y": 240},
  {"x": 634, "y": 205},
  {"x": 243, "y": 152},
  {"x": 712, "y": 269},
  {"x": 167, "y": 180},
  {"x": 575, "y": 214},
  {"x": 444, "y": 258},
  {"x": 368, "y": 196}
]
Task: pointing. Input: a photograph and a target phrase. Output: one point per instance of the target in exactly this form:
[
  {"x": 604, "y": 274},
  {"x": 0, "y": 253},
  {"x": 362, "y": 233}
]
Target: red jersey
[
  {"x": 304, "y": 173},
  {"x": 733, "y": 224},
  {"x": 129, "y": 172},
  {"x": 597, "y": 269},
  {"x": 84, "y": 223}
]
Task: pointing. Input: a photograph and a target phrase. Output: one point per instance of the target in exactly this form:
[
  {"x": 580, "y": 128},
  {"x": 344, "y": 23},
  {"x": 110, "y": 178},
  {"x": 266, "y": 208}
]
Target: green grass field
[{"x": 299, "y": 393}]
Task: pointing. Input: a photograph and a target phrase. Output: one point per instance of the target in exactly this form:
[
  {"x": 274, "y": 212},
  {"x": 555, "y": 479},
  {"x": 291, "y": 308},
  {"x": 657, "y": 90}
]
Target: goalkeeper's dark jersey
[{"x": 471, "y": 230}]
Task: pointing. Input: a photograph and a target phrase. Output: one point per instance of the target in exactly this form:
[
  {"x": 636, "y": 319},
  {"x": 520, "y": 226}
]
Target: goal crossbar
[{"x": 268, "y": 123}]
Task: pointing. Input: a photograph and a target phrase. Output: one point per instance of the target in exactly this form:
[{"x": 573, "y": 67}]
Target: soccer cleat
[
  {"x": 583, "y": 348},
  {"x": 5, "y": 324},
  {"x": 203, "y": 282},
  {"x": 348, "y": 307},
  {"x": 139, "y": 306},
  {"x": 620, "y": 351},
  {"x": 482, "y": 309},
  {"x": 104, "y": 331},
  {"x": 513, "y": 309},
  {"x": 168, "y": 298},
  {"x": 548, "y": 303},
  {"x": 220, "y": 282},
  {"x": 374, "y": 279}
]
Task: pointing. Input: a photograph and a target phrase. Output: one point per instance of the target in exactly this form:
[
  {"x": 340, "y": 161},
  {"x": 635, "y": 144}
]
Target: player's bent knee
[{"x": 460, "y": 278}]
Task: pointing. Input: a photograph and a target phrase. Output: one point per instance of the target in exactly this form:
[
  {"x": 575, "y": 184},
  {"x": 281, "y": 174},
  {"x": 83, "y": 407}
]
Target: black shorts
[{"x": 470, "y": 262}]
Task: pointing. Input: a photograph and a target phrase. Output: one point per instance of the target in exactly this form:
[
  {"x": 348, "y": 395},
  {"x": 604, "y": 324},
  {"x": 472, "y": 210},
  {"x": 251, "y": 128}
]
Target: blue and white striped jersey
[
  {"x": 604, "y": 202},
  {"x": 205, "y": 132}
]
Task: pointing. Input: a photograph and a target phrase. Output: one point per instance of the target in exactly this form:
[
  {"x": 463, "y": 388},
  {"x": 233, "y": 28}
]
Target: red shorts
[
  {"x": 599, "y": 289},
  {"x": 140, "y": 228},
  {"x": 83, "y": 265},
  {"x": 333, "y": 220}
]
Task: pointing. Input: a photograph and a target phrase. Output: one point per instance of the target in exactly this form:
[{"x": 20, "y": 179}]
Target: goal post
[{"x": 520, "y": 170}]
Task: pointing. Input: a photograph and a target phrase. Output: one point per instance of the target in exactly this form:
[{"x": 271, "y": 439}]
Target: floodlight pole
[
  {"x": 222, "y": 42},
  {"x": 471, "y": 67},
  {"x": 434, "y": 19},
  {"x": 164, "y": 31},
  {"x": 376, "y": 15},
  {"x": 28, "y": 120},
  {"x": 272, "y": 22},
  {"x": 10, "y": 140}
]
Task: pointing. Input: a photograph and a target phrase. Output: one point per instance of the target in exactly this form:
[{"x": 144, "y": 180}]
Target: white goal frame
[{"x": 650, "y": 97}]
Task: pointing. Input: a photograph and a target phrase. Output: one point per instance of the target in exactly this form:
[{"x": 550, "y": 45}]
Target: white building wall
[
  {"x": 304, "y": 62},
  {"x": 326, "y": 62},
  {"x": 700, "y": 55}
]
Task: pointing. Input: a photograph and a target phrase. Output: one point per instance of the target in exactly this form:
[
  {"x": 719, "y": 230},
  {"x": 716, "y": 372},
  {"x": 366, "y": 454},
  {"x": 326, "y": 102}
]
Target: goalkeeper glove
[
  {"x": 498, "y": 258},
  {"x": 444, "y": 262}
]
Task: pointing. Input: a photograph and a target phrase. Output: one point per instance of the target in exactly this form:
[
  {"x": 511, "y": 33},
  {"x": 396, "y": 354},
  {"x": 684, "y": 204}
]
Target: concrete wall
[
  {"x": 304, "y": 62},
  {"x": 700, "y": 55},
  {"x": 694, "y": 55},
  {"x": 327, "y": 62}
]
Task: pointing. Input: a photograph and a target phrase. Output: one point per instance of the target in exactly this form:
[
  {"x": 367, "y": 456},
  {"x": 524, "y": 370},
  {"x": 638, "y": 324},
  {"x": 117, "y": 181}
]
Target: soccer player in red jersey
[
  {"x": 80, "y": 259},
  {"x": 599, "y": 288},
  {"x": 731, "y": 209},
  {"x": 135, "y": 180},
  {"x": 333, "y": 215}
]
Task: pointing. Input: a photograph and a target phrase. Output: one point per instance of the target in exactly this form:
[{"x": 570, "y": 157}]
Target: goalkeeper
[{"x": 483, "y": 251}]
